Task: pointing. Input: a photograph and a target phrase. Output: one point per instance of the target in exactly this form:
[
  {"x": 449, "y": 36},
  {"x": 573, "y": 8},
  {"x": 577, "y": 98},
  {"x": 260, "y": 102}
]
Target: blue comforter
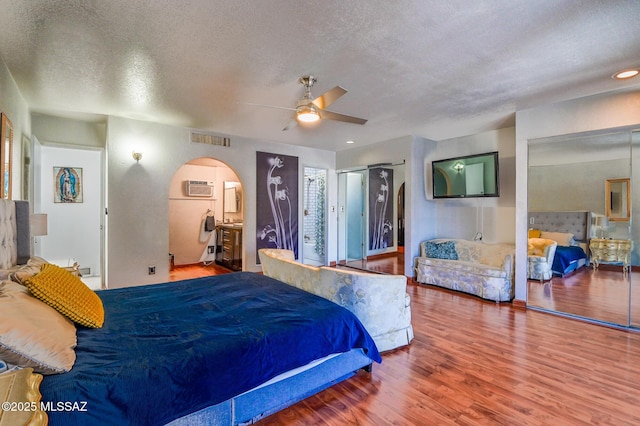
[
  {"x": 167, "y": 350},
  {"x": 566, "y": 259}
]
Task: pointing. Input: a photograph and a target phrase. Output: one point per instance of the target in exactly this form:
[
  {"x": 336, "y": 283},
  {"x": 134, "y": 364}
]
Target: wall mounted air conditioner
[{"x": 199, "y": 188}]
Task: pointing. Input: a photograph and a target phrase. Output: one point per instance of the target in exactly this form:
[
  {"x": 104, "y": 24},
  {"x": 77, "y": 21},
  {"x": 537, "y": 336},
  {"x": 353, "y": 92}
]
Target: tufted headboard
[
  {"x": 15, "y": 236},
  {"x": 576, "y": 223}
]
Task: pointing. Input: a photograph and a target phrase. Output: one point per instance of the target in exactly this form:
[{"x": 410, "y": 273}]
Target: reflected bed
[{"x": 572, "y": 231}]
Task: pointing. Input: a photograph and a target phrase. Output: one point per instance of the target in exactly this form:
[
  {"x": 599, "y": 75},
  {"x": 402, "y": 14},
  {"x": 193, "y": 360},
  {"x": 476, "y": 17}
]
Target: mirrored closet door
[
  {"x": 581, "y": 226},
  {"x": 634, "y": 298}
]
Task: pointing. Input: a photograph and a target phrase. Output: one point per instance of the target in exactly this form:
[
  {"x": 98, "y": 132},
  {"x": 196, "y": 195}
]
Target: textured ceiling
[{"x": 436, "y": 69}]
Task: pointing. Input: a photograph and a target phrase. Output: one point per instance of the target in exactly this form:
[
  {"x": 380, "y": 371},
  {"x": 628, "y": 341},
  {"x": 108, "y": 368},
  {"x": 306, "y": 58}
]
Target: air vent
[
  {"x": 199, "y": 188},
  {"x": 210, "y": 139}
]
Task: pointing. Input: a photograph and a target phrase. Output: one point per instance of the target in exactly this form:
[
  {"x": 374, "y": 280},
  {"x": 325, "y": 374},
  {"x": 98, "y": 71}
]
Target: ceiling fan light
[{"x": 307, "y": 114}]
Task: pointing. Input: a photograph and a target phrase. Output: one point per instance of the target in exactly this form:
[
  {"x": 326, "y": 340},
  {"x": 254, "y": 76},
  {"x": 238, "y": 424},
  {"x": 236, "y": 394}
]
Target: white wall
[
  {"x": 138, "y": 220},
  {"x": 581, "y": 185},
  {"x": 604, "y": 111},
  {"x": 74, "y": 229},
  {"x": 69, "y": 131}
]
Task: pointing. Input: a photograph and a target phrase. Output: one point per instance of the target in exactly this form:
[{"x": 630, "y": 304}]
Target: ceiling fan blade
[
  {"x": 329, "y": 115},
  {"x": 293, "y": 123},
  {"x": 329, "y": 97},
  {"x": 269, "y": 106}
]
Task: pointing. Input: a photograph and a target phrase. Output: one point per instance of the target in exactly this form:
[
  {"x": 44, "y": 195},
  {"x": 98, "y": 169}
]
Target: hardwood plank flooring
[
  {"x": 196, "y": 271},
  {"x": 601, "y": 294},
  {"x": 389, "y": 264},
  {"x": 475, "y": 362}
]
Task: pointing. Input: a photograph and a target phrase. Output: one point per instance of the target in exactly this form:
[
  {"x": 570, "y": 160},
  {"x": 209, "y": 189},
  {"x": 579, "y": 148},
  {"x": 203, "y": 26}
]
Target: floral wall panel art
[
  {"x": 67, "y": 183},
  {"x": 277, "y": 202},
  {"x": 380, "y": 208}
]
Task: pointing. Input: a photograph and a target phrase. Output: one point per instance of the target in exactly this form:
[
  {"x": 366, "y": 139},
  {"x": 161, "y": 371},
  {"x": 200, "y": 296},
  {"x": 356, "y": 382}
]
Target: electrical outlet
[{"x": 152, "y": 270}]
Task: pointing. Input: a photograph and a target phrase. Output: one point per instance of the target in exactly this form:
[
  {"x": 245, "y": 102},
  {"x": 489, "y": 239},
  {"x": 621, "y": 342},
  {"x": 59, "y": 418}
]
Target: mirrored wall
[{"x": 583, "y": 251}]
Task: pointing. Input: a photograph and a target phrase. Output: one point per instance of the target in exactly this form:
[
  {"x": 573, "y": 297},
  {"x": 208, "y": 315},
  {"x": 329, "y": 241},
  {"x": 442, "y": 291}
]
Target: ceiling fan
[{"x": 309, "y": 110}]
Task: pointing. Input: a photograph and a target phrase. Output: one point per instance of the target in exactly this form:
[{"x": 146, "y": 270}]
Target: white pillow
[
  {"x": 33, "y": 334},
  {"x": 562, "y": 238}
]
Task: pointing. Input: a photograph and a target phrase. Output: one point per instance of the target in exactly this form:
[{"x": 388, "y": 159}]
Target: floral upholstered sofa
[
  {"x": 380, "y": 301},
  {"x": 481, "y": 269}
]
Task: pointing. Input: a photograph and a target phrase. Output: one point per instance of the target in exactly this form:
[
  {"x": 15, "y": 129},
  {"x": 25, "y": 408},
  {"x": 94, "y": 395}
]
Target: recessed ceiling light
[
  {"x": 351, "y": 141},
  {"x": 624, "y": 74}
]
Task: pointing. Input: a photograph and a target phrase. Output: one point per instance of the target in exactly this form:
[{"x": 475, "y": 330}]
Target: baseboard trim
[{"x": 520, "y": 304}]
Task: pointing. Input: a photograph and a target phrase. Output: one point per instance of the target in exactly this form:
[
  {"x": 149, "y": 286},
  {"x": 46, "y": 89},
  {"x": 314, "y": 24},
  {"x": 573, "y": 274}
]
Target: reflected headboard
[
  {"x": 15, "y": 236},
  {"x": 577, "y": 223}
]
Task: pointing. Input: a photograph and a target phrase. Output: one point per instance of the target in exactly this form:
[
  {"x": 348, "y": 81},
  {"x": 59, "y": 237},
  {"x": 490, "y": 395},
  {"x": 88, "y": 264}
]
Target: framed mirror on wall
[
  {"x": 6, "y": 155},
  {"x": 618, "y": 199},
  {"x": 232, "y": 202}
]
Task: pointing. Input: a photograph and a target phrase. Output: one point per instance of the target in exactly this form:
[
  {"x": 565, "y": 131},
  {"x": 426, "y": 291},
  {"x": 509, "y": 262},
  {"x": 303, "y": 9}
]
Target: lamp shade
[
  {"x": 38, "y": 223},
  {"x": 602, "y": 221}
]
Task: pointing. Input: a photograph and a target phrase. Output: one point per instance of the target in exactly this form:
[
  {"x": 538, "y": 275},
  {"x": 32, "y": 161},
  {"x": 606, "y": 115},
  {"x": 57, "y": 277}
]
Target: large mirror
[
  {"x": 6, "y": 155},
  {"x": 588, "y": 277},
  {"x": 231, "y": 197},
  {"x": 232, "y": 202},
  {"x": 618, "y": 199}
]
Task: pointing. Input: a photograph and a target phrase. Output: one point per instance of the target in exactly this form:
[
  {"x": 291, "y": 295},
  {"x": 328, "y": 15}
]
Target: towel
[{"x": 210, "y": 223}]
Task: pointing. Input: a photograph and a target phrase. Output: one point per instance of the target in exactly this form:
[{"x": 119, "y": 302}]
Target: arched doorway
[{"x": 206, "y": 212}]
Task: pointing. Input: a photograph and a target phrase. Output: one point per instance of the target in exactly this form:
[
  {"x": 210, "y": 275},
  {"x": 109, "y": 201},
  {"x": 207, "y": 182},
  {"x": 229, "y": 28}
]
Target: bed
[
  {"x": 572, "y": 232},
  {"x": 227, "y": 349},
  {"x": 185, "y": 346}
]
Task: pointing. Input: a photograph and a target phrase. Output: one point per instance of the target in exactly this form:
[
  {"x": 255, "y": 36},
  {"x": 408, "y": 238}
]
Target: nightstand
[
  {"x": 20, "y": 395},
  {"x": 610, "y": 251}
]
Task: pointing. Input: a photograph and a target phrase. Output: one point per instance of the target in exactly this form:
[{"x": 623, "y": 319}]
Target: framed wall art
[
  {"x": 380, "y": 208},
  {"x": 67, "y": 183},
  {"x": 277, "y": 202}
]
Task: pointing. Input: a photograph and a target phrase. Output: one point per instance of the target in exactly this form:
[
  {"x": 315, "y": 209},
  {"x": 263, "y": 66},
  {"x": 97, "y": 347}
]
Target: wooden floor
[
  {"x": 474, "y": 362},
  {"x": 601, "y": 294},
  {"x": 196, "y": 271},
  {"x": 386, "y": 264}
]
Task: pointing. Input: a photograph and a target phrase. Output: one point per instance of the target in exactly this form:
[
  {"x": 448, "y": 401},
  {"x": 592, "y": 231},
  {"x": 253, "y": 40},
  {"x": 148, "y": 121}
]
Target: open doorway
[
  {"x": 361, "y": 195},
  {"x": 74, "y": 235},
  {"x": 400, "y": 220},
  {"x": 206, "y": 212}
]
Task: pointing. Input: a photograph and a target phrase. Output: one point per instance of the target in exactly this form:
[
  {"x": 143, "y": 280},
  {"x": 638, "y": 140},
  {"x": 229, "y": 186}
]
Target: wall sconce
[
  {"x": 458, "y": 167},
  {"x": 137, "y": 156},
  {"x": 38, "y": 224}
]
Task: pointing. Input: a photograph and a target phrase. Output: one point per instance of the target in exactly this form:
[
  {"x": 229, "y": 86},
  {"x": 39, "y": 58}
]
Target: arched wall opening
[{"x": 200, "y": 202}]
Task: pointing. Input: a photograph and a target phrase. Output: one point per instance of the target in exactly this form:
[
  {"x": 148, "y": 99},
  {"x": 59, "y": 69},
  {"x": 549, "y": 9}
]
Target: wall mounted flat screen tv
[{"x": 466, "y": 177}]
